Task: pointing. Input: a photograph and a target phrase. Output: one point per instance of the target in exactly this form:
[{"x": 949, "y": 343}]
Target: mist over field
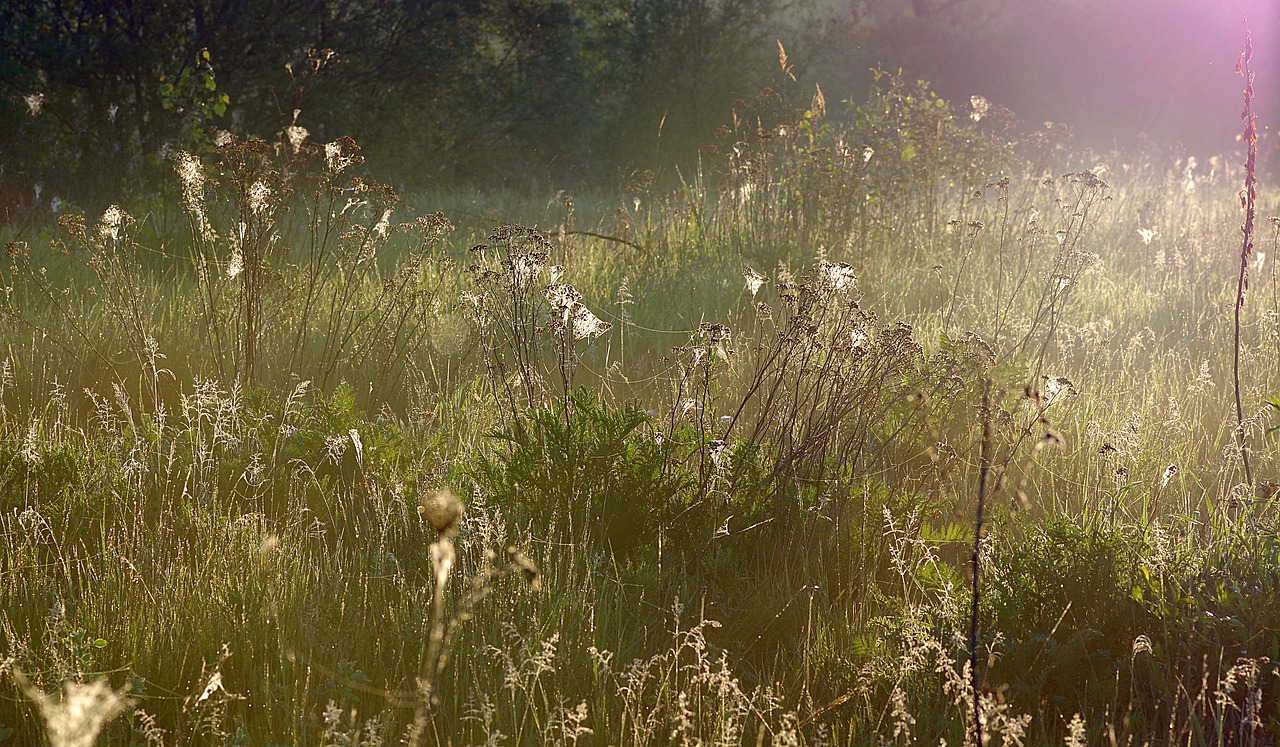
[{"x": 639, "y": 372}]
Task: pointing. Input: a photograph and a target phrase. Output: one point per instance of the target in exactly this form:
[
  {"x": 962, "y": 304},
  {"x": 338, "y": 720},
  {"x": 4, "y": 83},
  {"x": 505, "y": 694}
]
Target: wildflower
[
  {"x": 571, "y": 315},
  {"x": 340, "y": 154},
  {"x": 191, "y": 174},
  {"x": 526, "y": 266}
]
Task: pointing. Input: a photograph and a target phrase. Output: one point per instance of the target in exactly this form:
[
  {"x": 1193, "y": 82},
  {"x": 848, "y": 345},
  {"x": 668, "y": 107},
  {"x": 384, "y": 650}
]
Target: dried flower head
[
  {"x": 562, "y": 296},
  {"x": 839, "y": 275},
  {"x": 980, "y": 107},
  {"x": 296, "y": 136},
  {"x": 84, "y": 709},
  {"x": 113, "y": 222},
  {"x": 442, "y": 510},
  {"x": 34, "y": 102},
  {"x": 191, "y": 173},
  {"x": 258, "y": 198},
  {"x": 342, "y": 153}
]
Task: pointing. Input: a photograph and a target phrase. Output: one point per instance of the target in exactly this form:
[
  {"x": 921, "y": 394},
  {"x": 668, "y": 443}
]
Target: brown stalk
[{"x": 1249, "y": 199}]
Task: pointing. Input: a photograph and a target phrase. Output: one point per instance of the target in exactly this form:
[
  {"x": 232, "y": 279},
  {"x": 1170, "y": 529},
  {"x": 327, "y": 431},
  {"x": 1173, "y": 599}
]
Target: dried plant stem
[
  {"x": 1250, "y": 198},
  {"x": 983, "y": 470}
]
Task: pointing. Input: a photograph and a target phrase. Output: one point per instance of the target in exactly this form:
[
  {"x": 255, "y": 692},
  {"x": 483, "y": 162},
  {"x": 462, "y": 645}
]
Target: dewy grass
[{"x": 751, "y": 529}]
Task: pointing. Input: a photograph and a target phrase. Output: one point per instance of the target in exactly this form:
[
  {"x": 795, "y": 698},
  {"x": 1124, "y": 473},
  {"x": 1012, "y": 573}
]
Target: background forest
[{"x": 94, "y": 94}]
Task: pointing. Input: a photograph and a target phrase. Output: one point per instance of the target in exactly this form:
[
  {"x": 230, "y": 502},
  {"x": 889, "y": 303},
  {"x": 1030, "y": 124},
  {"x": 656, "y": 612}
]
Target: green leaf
[{"x": 100, "y": 643}]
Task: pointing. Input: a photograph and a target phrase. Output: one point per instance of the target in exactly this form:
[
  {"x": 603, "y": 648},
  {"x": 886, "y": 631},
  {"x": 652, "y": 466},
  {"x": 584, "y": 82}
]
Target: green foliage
[
  {"x": 465, "y": 91},
  {"x": 32, "y": 474},
  {"x": 583, "y": 471},
  {"x": 1062, "y": 574},
  {"x": 194, "y": 97}
]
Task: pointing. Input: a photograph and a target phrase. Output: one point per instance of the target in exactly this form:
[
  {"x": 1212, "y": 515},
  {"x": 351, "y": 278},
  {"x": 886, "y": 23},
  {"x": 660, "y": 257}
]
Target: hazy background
[
  {"x": 557, "y": 93},
  {"x": 1112, "y": 69}
]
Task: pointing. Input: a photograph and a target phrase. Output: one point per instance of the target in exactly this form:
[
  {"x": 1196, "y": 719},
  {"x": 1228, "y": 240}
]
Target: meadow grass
[{"x": 717, "y": 434}]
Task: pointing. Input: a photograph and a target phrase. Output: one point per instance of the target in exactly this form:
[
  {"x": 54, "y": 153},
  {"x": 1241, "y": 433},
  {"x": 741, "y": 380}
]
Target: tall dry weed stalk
[
  {"x": 1249, "y": 198},
  {"x": 984, "y": 470},
  {"x": 519, "y": 301},
  {"x": 295, "y": 272}
]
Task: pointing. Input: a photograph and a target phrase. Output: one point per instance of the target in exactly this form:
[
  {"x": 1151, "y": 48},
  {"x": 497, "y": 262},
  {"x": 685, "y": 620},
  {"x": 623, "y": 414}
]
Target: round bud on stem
[{"x": 442, "y": 510}]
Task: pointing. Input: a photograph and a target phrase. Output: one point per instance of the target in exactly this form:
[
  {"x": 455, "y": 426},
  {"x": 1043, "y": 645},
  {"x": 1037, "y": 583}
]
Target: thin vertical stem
[
  {"x": 983, "y": 470},
  {"x": 1250, "y": 198}
]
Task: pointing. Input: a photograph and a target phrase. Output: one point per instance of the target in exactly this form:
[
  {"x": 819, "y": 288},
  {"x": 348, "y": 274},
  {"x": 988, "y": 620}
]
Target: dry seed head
[
  {"x": 191, "y": 174},
  {"x": 587, "y": 325},
  {"x": 526, "y": 266},
  {"x": 112, "y": 223},
  {"x": 235, "y": 265},
  {"x": 562, "y": 297},
  {"x": 259, "y": 197},
  {"x": 341, "y": 153},
  {"x": 82, "y": 712},
  {"x": 297, "y": 136},
  {"x": 442, "y": 510},
  {"x": 839, "y": 275}
]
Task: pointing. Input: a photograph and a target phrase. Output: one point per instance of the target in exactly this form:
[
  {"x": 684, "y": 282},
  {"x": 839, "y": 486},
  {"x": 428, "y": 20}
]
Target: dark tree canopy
[{"x": 94, "y": 92}]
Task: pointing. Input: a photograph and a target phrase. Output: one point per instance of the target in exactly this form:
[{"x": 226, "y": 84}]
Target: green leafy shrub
[{"x": 582, "y": 471}]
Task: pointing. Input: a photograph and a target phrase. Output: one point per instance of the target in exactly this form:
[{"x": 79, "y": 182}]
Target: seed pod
[{"x": 442, "y": 510}]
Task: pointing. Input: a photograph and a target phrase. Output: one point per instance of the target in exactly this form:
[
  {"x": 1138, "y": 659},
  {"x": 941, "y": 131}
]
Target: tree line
[{"x": 95, "y": 93}]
